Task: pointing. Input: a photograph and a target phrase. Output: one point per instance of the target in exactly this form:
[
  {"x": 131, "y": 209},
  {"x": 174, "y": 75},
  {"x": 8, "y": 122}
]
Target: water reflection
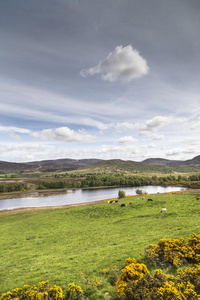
[{"x": 79, "y": 196}]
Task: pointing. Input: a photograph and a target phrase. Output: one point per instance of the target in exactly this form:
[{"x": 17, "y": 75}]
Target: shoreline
[
  {"x": 3, "y": 211},
  {"x": 36, "y": 194}
]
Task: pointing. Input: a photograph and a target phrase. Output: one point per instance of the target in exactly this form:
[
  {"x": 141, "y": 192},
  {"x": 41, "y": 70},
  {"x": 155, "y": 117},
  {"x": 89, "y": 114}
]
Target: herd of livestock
[{"x": 143, "y": 198}]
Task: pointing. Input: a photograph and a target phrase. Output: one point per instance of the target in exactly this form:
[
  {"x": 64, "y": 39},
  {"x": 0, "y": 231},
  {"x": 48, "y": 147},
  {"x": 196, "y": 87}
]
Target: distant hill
[
  {"x": 192, "y": 163},
  {"x": 150, "y": 165},
  {"x": 162, "y": 161},
  {"x": 118, "y": 165},
  {"x": 46, "y": 165}
]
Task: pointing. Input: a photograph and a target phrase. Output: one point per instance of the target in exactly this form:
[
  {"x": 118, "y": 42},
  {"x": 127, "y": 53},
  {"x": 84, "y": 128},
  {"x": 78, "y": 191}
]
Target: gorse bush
[
  {"x": 159, "y": 286},
  {"x": 174, "y": 251},
  {"x": 134, "y": 281},
  {"x": 132, "y": 272},
  {"x": 74, "y": 292},
  {"x": 44, "y": 291}
]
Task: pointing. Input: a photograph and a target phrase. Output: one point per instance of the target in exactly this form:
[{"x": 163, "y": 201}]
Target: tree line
[{"x": 15, "y": 187}]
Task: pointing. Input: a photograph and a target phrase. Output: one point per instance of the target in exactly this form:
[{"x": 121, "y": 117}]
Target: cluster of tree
[
  {"x": 114, "y": 180},
  {"x": 195, "y": 177},
  {"x": 104, "y": 180},
  {"x": 52, "y": 185},
  {"x": 12, "y": 187}
]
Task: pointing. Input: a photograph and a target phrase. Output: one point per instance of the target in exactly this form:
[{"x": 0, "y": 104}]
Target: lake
[{"x": 80, "y": 196}]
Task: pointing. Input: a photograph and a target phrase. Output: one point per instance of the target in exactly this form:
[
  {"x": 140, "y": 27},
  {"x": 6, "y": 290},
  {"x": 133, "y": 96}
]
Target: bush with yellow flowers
[
  {"x": 174, "y": 251},
  {"x": 74, "y": 292},
  {"x": 160, "y": 286},
  {"x": 44, "y": 291},
  {"x": 131, "y": 272}
]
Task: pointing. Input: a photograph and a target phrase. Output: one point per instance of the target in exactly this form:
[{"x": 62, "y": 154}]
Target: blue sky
[{"x": 99, "y": 79}]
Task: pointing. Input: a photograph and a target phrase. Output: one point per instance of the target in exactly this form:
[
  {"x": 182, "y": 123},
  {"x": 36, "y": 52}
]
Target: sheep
[
  {"x": 163, "y": 210},
  {"x": 143, "y": 198},
  {"x": 123, "y": 205}
]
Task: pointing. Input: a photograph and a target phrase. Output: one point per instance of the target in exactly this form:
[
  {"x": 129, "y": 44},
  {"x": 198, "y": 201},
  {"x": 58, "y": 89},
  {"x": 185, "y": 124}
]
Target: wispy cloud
[
  {"x": 123, "y": 64},
  {"x": 195, "y": 126},
  {"x": 10, "y": 129}
]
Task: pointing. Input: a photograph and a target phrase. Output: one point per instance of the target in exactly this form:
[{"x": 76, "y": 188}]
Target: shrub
[
  {"x": 44, "y": 291},
  {"x": 133, "y": 271},
  {"x": 139, "y": 192},
  {"x": 74, "y": 292},
  {"x": 174, "y": 251},
  {"x": 121, "y": 194},
  {"x": 162, "y": 287}
]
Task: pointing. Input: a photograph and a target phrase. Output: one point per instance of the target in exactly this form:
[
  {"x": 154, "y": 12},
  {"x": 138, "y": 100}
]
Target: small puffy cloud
[
  {"x": 157, "y": 137},
  {"x": 144, "y": 128},
  {"x": 125, "y": 126},
  {"x": 155, "y": 123},
  {"x": 63, "y": 134},
  {"x": 126, "y": 140},
  {"x": 123, "y": 64}
]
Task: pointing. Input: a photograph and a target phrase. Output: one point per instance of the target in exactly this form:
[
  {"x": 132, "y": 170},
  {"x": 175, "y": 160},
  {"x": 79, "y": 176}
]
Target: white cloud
[
  {"x": 149, "y": 126},
  {"x": 144, "y": 128},
  {"x": 195, "y": 126},
  {"x": 63, "y": 134},
  {"x": 125, "y": 126},
  {"x": 126, "y": 140},
  {"x": 123, "y": 64},
  {"x": 155, "y": 123},
  {"x": 13, "y": 130},
  {"x": 157, "y": 137}
]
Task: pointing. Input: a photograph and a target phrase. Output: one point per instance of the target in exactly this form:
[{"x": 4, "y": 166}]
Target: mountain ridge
[{"x": 68, "y": 164}]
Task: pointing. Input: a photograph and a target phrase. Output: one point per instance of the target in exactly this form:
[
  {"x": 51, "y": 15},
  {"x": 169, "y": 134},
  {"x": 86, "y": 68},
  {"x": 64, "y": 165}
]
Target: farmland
[{"x": 58, "y": 244}]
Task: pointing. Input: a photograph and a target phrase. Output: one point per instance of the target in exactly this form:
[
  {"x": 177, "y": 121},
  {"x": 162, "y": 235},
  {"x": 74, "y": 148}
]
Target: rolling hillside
[{"x": 151, "y": 165}]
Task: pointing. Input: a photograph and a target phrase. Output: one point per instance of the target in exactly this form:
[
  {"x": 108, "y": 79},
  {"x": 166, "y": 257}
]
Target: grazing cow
[
  {"x": 123, "y": 205},
  {"x": 163, "y": 210},
  {"x": 143, "y": 198},
  {"x": 150, "y": 200},
  {"x": 197, "y": 198},
  {"x": 131, "y": 203}
]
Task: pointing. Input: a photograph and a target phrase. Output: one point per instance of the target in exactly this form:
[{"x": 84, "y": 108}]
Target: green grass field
[{"x": 57, "y": 244}]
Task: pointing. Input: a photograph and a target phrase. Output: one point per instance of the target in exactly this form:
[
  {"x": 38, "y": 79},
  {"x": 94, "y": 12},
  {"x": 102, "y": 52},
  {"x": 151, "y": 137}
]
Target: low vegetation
[
  {"x": 84, "y": 248},
  {"x": 96, "y": 180}
]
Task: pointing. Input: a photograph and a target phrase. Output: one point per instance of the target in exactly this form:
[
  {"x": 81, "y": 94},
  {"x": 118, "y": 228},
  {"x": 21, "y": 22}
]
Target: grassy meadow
[{"x": 58, "y": 244}]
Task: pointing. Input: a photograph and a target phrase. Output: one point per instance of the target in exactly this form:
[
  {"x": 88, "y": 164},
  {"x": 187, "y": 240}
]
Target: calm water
[{"x": 79, "y": 196}]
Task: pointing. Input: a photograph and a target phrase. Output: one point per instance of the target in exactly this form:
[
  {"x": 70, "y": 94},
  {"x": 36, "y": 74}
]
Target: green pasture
[{"x": 58, "y": 244}]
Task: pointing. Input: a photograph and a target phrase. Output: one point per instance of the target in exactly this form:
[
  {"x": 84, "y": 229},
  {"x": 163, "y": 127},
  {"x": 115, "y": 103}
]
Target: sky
[{"x": 109, "y": 79}]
